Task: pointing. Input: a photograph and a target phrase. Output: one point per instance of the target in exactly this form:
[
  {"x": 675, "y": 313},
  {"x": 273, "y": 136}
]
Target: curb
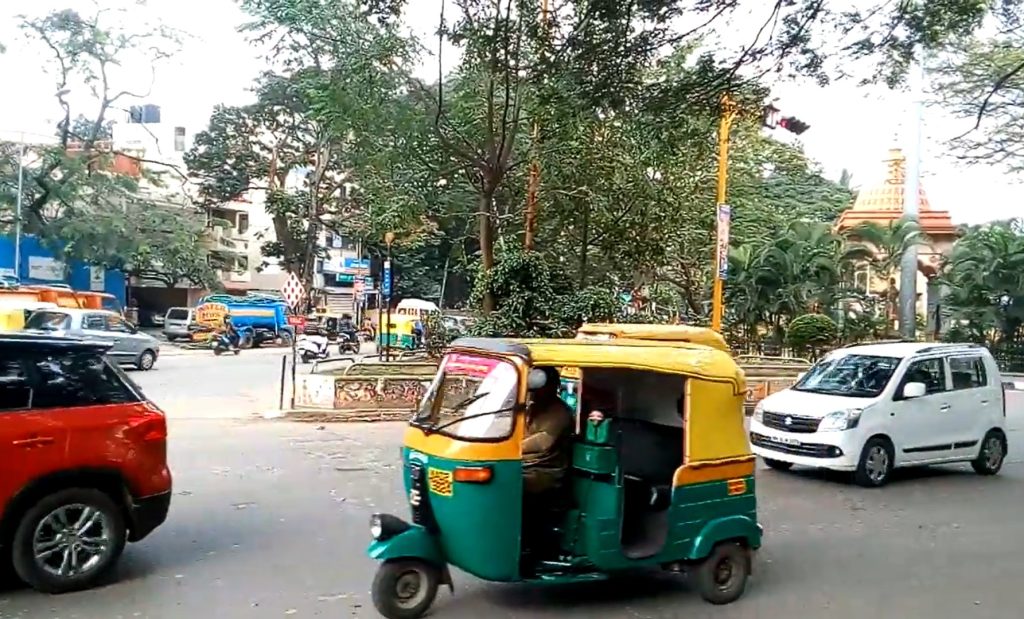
[{"x": 308, "y": 415}]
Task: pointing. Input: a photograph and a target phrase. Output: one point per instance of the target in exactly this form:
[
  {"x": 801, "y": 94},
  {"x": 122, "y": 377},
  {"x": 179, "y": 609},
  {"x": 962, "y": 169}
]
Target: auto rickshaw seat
[{"x": 648, "y": 451}]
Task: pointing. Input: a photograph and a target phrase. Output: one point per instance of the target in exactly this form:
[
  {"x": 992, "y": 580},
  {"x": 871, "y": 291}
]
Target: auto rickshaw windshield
[{"x": 471, "y": 398}]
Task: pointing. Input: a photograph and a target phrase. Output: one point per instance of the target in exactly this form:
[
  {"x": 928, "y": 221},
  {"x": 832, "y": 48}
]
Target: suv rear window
[
  {"x": 177, "y": 313},
  {"x": 49, "y": 321},
  {"x": 61, "y": 379}
]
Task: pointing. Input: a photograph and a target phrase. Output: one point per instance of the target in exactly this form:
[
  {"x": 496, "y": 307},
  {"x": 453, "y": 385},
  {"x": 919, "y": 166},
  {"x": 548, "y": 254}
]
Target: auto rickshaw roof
[
  {"x": 671, "y": 357},
  {"x": 657, "y": 333}
]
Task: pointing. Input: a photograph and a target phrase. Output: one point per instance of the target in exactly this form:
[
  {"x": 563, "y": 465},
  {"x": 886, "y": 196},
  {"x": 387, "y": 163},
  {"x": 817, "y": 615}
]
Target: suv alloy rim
[{"x": 72, "y": 540}]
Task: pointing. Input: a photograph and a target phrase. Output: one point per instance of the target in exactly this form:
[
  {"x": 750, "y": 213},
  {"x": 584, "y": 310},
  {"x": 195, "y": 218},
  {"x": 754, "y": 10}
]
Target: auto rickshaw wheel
[
  {"x": 722, "y": 577},
  {"x": 405, "y": 588}
]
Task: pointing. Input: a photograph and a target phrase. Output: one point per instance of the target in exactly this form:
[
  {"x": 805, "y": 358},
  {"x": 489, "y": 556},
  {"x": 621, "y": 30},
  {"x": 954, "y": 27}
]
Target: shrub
[{"x": 811, "y": 333}]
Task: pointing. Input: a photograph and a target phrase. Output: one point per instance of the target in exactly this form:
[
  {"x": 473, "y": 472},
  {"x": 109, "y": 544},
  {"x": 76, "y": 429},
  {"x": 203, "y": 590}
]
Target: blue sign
[
  {"x": 385, "y": 280},
  {"x": 355, "y": 264}
]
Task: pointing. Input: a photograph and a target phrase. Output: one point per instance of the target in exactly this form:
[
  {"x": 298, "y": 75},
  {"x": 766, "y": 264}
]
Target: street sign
[
  {"x": 385, "y": 280},
  {"x": 293, "y": 290},
  {"x": 299, "y": 322},
  {"x": 722, "y": 244}
]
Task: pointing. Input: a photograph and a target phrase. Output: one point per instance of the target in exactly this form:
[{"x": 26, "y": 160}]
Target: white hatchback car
[{"x": 873, "y": 407}]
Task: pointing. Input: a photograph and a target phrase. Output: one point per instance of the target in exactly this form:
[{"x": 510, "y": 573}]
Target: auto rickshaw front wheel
[
  {"x": 405, "y": 588},
  {"x": 722, "y": 577}
]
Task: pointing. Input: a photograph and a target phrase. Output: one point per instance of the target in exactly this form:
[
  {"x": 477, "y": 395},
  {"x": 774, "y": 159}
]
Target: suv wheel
[
  {"x": 146, "y": 360},
  {"x": 69, "y": 541},
  {"x": 993, "y": 453},
  {"x": 876, "y": 464}
]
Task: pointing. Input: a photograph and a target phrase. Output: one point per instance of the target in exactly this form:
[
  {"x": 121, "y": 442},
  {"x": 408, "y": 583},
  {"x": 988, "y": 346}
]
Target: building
[
  {"x": 40, "y": 265},
  {"x": 882, "y": 203}
]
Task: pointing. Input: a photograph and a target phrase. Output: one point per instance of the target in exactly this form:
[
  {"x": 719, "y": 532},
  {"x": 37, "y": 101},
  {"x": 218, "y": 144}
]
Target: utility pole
[
  {"x": 911, "y": 200},
  {"x": 17, "y": 208},
  {"x": 722, "y": 214}
]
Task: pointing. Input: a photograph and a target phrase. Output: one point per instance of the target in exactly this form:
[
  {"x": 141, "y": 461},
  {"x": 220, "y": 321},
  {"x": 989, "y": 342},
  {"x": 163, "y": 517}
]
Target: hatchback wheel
[
  {"x": 778, "y": 465},
  {"x": 146, "y": 360},
  {"x": 993, "y": 453},
  {"x": 69, "y": 541},
  {"x": 876, "y": 464}
]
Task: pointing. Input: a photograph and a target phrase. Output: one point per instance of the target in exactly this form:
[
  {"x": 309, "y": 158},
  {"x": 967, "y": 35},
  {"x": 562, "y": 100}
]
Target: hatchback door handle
[
  {"x": 944, "y": 408},
  {"x": 984, "y": 401},
  {"x": 33, "y": 442}
]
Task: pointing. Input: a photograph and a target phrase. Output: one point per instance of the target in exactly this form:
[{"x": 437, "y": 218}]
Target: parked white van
[{"x": 873, "y": 407}]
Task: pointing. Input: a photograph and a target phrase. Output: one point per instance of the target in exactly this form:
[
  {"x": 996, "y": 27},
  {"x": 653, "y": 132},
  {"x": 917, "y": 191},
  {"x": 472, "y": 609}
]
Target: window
[
  {"x": 63, "y": 379},
  {"x": 243, "y": 223},
  {"x": 49, "y": 321},
  {"x": 968, "y": 372},
  {"x": 472, "y": 397},
  {"x": 94, "y": 322},
  {"x": 856, "y": 376},
  {"x": 15, "y": 392},
  {"x": 179, "y": 139},
  {"x": 177, "y": 313},
  {"x": 117, "y": 324},
  {"x": 931, "y": 372}
]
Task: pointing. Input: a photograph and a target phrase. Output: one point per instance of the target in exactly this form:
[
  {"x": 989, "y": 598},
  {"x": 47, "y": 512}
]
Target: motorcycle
[
  {"x": 348, "y": 343},
  {"x": 221, "y": 345},
  {"x": 313, "y": 346}
]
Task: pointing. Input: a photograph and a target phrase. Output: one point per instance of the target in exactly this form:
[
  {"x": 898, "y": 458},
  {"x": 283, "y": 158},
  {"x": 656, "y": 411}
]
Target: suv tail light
[{"x": 150, "y": 426}]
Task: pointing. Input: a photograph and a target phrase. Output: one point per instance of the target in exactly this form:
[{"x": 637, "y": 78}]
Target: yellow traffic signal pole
[{"x": 722, "y": 213}]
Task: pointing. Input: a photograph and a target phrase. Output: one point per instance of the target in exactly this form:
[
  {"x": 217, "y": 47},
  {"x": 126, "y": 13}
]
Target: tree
[
  {"x": 888, "y": 243},
  {"x": 74, "y": 198},
  {"x": 982, "y": 82},
  {"x": 986, "y": 263},
  {"x": 160, "y": 242}
]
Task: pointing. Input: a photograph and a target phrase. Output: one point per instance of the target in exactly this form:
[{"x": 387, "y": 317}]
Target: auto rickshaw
[
  {"x": 665, "y": 480},
  {"x": 400, "y": 334},
  {"x": 653, "y": 333}
]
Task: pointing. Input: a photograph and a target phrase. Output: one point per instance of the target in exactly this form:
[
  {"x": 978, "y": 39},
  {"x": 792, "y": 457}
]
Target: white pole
[
  {"x": 17, "y": 209},
  {"x": 911, "y": 183}
]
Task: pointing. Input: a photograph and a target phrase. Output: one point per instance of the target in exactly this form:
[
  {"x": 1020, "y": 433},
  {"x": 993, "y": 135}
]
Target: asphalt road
[{"x": 269, "y": 519}]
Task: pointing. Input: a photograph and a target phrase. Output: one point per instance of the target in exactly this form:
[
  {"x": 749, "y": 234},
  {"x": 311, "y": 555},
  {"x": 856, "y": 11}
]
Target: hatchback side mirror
[{"x": 913, "y": 390}]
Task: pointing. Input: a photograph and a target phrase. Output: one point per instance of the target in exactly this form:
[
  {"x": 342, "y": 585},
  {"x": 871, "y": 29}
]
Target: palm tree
[{"x": 887, "y": 243}]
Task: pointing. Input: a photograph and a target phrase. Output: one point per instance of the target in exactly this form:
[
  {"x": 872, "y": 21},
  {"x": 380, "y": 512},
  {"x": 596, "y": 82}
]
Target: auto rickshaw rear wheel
[
  {"x": 722, "y": 577},
  {"x": 405, "y": 588}
]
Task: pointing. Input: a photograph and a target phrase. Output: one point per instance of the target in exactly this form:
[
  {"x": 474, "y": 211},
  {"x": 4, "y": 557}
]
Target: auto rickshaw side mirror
[{"x": 536, "y": 379}]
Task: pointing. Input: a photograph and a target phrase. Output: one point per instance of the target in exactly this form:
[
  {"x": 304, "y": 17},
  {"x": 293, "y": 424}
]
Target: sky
[{"x": 852, "y": 127}]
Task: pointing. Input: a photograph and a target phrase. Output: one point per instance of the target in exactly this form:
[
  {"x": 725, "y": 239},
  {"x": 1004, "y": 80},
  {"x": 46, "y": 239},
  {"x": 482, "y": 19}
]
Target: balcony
[{"x": 224, "y": 240}]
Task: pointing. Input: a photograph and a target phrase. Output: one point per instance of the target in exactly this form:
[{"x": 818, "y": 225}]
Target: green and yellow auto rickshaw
[
  {"x": 664, "y": 480},
  {"x": 399, "y": 333}
]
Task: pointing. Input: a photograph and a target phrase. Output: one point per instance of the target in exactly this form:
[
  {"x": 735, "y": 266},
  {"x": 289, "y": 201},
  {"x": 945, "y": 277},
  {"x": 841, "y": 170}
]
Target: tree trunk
[
  {"x": 486, "y": 242},
  {"x": 584, "y": 244}
]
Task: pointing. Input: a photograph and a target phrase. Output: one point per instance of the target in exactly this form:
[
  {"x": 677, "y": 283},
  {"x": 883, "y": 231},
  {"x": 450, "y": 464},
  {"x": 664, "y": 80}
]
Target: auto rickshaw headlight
[
  {"x": 376, "y": 526},
  {"x": 386, "y": 526}
]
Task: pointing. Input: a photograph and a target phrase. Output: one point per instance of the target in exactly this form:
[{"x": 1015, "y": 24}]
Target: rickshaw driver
[{"x": 546, "y": 445}]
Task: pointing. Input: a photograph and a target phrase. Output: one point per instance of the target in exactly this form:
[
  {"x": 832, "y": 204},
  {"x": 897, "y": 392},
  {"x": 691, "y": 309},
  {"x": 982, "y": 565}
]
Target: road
[{"x": 269, "y": 519}]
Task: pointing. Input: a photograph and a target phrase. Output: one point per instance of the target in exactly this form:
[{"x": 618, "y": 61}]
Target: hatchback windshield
[
  {"x": 177, "y": 313},
  {"x": 857, "y": 376},
  {"x": 49, "y": 321},
  {"x": 472, "y": 397}
]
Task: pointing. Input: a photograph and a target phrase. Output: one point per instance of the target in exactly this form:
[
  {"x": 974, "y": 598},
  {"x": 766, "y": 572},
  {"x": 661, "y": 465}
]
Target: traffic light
[{"x": 793, "y": 125}]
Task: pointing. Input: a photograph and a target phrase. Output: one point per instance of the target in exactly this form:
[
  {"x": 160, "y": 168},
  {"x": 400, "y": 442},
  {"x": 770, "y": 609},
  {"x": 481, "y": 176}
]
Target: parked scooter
[{"x": 313, "y": 345}]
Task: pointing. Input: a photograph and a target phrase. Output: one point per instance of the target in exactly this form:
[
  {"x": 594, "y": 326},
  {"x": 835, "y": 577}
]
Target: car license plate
[{"x": 785, "y": 440}]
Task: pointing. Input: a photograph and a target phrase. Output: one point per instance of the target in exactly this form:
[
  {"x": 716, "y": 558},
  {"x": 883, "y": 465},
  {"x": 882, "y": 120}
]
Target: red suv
[{"x": 83, "y": 461}]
